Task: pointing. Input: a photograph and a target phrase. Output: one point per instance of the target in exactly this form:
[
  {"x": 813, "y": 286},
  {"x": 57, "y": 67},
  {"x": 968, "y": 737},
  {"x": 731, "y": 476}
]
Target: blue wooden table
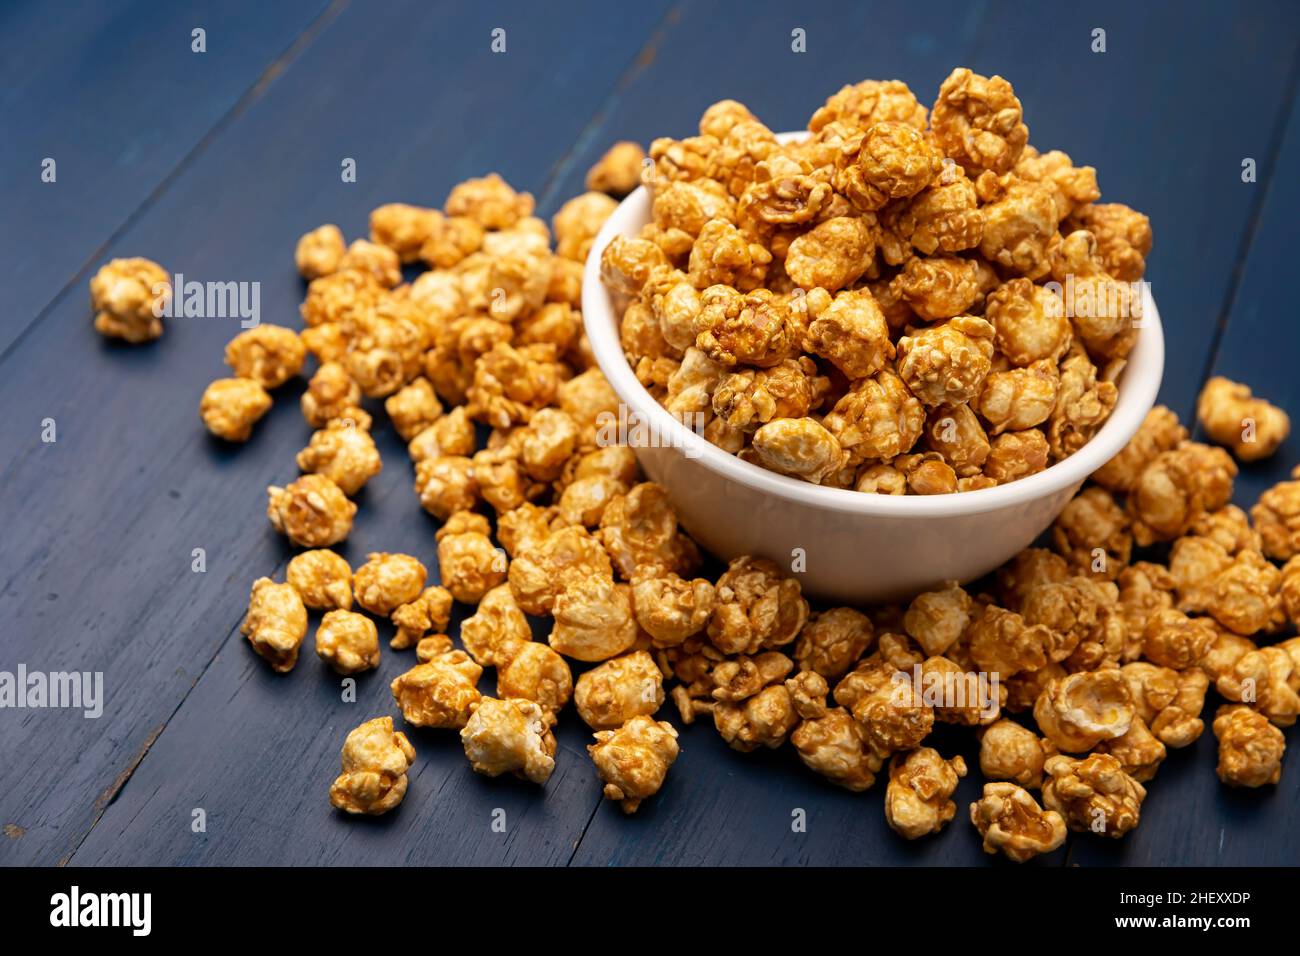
[{"x": 214, "y": 163}]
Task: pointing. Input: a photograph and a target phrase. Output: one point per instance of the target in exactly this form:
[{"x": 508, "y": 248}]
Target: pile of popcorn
[
  {"x": 1103, "y": 655},
  {"x": 904, "y": 301}
]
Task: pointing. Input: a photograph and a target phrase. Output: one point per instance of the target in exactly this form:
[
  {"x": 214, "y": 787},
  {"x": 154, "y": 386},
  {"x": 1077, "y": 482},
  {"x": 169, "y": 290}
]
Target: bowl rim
[{"x": 1139, "y": 384}]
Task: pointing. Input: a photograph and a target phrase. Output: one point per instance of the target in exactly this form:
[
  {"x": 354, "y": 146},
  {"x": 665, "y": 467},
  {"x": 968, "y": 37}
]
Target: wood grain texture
[
  {"x": 115, "y": 95},
  {"x": 97, "y": 555},
  {"x": 97, "y": 558}
]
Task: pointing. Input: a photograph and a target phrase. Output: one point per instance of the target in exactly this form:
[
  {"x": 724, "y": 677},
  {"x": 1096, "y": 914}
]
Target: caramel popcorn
[
  {"x": 947, "y": 363},
  {"x": 1250, "y": 427},
  {"x": 1172, "y": 639},
  {"x": 1092, "y": 534},
  {"x": 1009, "y": 751},
  {"x": 831, "y": 255},
  {"x": 446, "y": 484},
  {"x": 831, "y": 642},
  {"x": 380, "y": 262},
  {"x": 431, "y": 611},
  {"x": 413, "y": 408},
  {"x": 403, "y": 228},
  {"x": 469, "y": 563},
  {"x": 1277, "y": 518},
  {"x": 593, "y": 620},
  {"x": 1250, "y": 748},
  {"x": 564, "y": 557},
  {"x": 1011, "y": 821},
  {"x": 670, "y": 608},
  {"x": 451, "y": 434},
  {"x": 800, "y": 447},
  {"x": 917, "y": 797},
  {"x": 230, "y": 407},
  {"x": 375, "y": 760},
  {"x": 1123, "y": 237},
  {"x": 977, "y": 121},
  {"x": 531, "y": 671},
  {"x": 319, "y": 252},
  {"x": 343, "y": 453},
  {"x": 1176, "y": 488},
  {"x": 936, "y": 619},
  {"x": 331, "y": 394},
  {"x": 268, "y": 354},
  {"x": 1159, "y": 432},
  {"x": 496, "y": 626},
  {"x": 312, "y": 512},
  {"x": 348, "y": 642},
  {"x": 836, "y": 747},
  {"x": 276, "y": 623},
  {"x": 887, "y": 704},
  {"x": 878, "y": 418},
  {"x": 757, "y": 607},
  {"x": 1081, "y": 710},
  {"x": 387, "y": 581},
  {"x": 1093, "y": 794},
  {"x": 322, "y": 578},
  {"x": 1267, "y": 679},
  {"x": 510, "y": 736},
  {"x": 763, "y": 720},
  {"x": 634, "y": 759},
  {"x": 439, "y": 693},
  {"x": 129, "y": 297},
  {"x": 618, "y": 171},
  {"x": 610, "y": 695}
]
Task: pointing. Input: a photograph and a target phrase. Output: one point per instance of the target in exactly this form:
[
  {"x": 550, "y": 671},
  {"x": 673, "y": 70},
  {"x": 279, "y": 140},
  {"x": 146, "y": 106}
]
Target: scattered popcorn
[
  {"x": 268, "y": 354},
  {"x": 618, "y": 172},
  {"x": 1249, "y": 427},
  {"x": 322, "y": 578},
  {"x": 348, "y": 642},
  {"x": 319, "y": 252},
  {"x": 439, "y": 693},
  {"x": 230, "y": 407},
  {"x": 1012, "y": 822},
  {"x": 510, "y": 736},
  {"x": 917, "y": 798},
  {"x": 129, "y": 297},
  {"x": 387, "y": 581},
  {"x": 276, "y": 623},
  {"x": 312, "y": 512},
  {"x": 1250, "y": 748},
  {"x": 375, "y": 761},
  {"x": 634, "y": 759}
]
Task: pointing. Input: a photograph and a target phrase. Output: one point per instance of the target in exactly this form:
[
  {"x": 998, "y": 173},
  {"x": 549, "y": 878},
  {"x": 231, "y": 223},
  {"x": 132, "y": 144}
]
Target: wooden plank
[
  {"x": 97, "y": 570},
  {"x": 114, "y": 94},
  {"x": 1189, "y": 817}
]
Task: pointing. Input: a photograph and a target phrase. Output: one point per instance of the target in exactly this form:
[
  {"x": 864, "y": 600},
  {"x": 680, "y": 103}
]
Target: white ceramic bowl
[{"x": 846, "y": 545}]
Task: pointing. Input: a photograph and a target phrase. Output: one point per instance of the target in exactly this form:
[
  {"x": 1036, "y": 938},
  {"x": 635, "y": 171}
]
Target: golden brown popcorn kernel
[
  {"x": 872, "y": 101},
  {"x": 835, "y": 746},
  {"x": 330, "y": 394},
  {"x": 1075, "y": 188},
  {"x": 1019, "y": 224},
  {"x": 808, "y": 691},
  {"x": 947, "y": 363},
  {"x": 917, "y": 797},
  {"x": 533, "y": 671},
  {"x": 490, "y": 202},
  {"x": 577, "y": 223},
  {"x": 757, "y": 608},
  {"x": 936, "y": 619},
  {"x": 380, "y": 262},
  {"x": 1123, "y": 237},
  {"x": 469, "y": 564},
  {"x": 1081, "y": 710},
  {"x": 798, "y": 447},
  {"x": 510, "y": 736},
  {"x": 1019, "y": 398},
  {"x": 451, "y": 239},
  {"x": 999, "y": 641},
  {"x": 451, "y": 435},
  {"x": 344, "y": 453},
  {"x": 764, "y": 720},
  {"x": 1026, "y": 571},
  {"x": 888, "y": 705},
  {"x": 348, "y": 642},
  {"x": 1092, "y": 533},
  {"x": 312, "y": 512},
  {"x": 1093, "y": 795},
  {"x": 446, "y": 484},
  {"x": 276, "y": 623},
  {"x": 1009, "y": 751},
  {"x": 319, "y": 252},
  {"x": 322, "y": 578},
  {"x": 618, "y": 690},
  {"x": 1139, "y": 751},
  {"x": 626, "y": 264},
  {"x": 402, "y": 228},
  {"x": 129, "y": 297},
  {"x": 634, "y": 759},
  {"x": 940, "y": 287},
  {"x": 618, "y": 171},
  {"x": 439, "y": 693},
  {"x": 565, "y": 556},
  {"x": 878, "y": 418},
  {"x": 1251, "y": 428},
  {"x": 849, "y": 330},
  {"x": 1277, "y": 517},
  {"x": 895, "y": 161},
  {"x": 435, "y": 645},
  {"x": 1177, "y": 488},
  {"x": 1244, "y": 597},
  {"x": 1011, "y": 821},
  {"x": 387, "y": 581},
  {"x": 413, "y": 408},
  {"x": 670, "y": 608},
  {"x": 510, "y": 385},
  {"x": 942, "y": 218},
  {"x": 831, "y": 255},
  {"x": 1016, "y": 455},
  {"x": 1029, "y": 322},
  {"x": 230, "y": 407},
  {"x": 1172, "y": 639},
  {"x": 375, "y": 760},
  {"x": 268, "y": 354},
  {"x": 1266, "y": 679},
  {"x": 1104, "y": 312},
  {"x": 431, "y": 611},
  {"x": 1083, "y": 404},
  {"x": 593, "y": 620},
  {"x": 833, "y": 641},
  {"x": 741, "y": 677},
  {"x": 341, "y": 298},
  {"x": 1250, "y": 748},
  {"x": 977, "y": 121},
  {"x": 640, "y": 528}
]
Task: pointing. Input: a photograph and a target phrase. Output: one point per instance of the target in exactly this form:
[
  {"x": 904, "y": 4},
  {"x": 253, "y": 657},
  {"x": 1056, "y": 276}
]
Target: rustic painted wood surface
[{"x": 215, "y": 167}]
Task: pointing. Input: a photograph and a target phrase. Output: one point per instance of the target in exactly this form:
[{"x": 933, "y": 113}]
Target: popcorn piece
[
  {"x": 439, "y": 693},
  {"x": 490, "y": 202},
  {"x": 313, "y": 512},
  {"x": 764, "y": 720},
  {"x": 940, "y": 287},
  {"x": 634, "y": 759},
  {"x": 446, "y": 484},
  {"x": 495, "y": 627},
  {"x": 403, "y": 228},
  {"x": 564, "y": 557},
  {"x": 1250, "y": 748},
  {"x": 413, "y": 408},
  {"x": 511, "y": 384},
  {"x": 1009, "y": 751},
  {"x": 947, "y": 363},
  {"x": 1159, "y": 432},
  {"x": 835, "y": 746},
  {"x": 920, "y": 785},
  {"x": 268, "y": 354},
  {"x": 343, "y": 453},
  {"x": 1029, "y": 322},
  {"x": 375, "y": 760},
  {"x": 470, "y": 565},
  {"x": 593, "y": 620},
  {"x": 1267, "y": 679},
  {"x": 833, "y": 640},
  {"x": 640, "y": 528},
  {"x": 510, "y": 736},
  {"x": 850, "y": 331},
  {"x": 808, "y": 691},
  {"x": 1019, "y": 398},
  {"x": 1123, "y": 237},
  {"x": 387, "y": 581},
  {"x": 1179, "y": 486},
  {"x": 1245, "y": 596},
  {"x": 618, "y": 171},
  {"x": 431, "y": 611},
  {"x": 1083, "y": 404},
  {"x": 378, "y": 261},
  {"x": 331, "y": 394},
  {"x": 341, "y": 299},
  {"x": 1075, "y": 188},
  {"x": 800, "y": 448},
  {"x": 129, "y": 297},
  {"x": 322, "y": 578},
  {"x": 451, "y": 435},
  {"x": 978, "y": 121},
  {"x": 1016, "y": 455},
  {"x": 231, "y": 406},
  {"x": 757, "y": 608},
  {"x": 532, "y": 671},
  {"x": 435, "y": 645},
  {"x": 1092, "y": 533},
  {"x": 1172, "y": 639},
  {"x": 577, "y": 223},
  {"x": 669, "y": 608},
  {"x": 1093, "y": 794},
  {"x": 610, "y": 695},
  {"x": 936, "y": 619},
  {"x": 870, "y": 102},
  {"x": 319, "y": 252},
  {"x": 887, "y": 704},
  {"x": 1011, "y": 821},
  {"x": 1138, "y": 751},
  {"x": 348, "y": 642},
  {"x": 1081, "y": 710},
  {"x": 1251, "y": 428},
  {"x": 831, "y": 255},
  {"x": 878, "y": 418},
  {"x": 1019, "y": 224},
  {"x": 276, "y": 623},
  {"x": 1277, "y": 517}
]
